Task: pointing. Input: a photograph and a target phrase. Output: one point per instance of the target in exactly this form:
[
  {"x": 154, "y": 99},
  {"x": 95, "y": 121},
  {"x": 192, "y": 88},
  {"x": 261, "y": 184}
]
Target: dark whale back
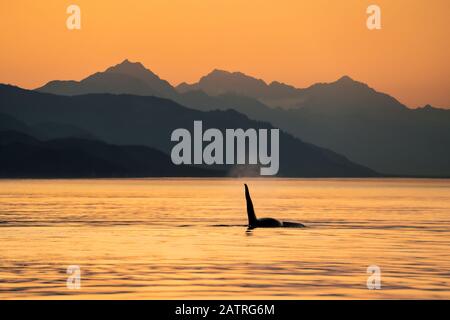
[{"x": 268, "y": 223}]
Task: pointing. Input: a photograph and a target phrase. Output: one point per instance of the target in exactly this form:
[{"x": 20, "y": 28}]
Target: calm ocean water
[{"x": 186, "y": 238}]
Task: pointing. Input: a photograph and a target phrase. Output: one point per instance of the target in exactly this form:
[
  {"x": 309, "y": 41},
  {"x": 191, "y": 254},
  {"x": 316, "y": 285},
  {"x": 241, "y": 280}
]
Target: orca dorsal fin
[{"x": 250, "y": 210}]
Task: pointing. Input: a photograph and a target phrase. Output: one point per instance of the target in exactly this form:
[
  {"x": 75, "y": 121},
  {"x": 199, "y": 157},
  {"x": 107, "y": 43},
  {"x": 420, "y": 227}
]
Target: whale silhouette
[{"x": 254, "y": 222}]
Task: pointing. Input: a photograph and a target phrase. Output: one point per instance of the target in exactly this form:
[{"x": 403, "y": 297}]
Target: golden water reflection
[{"x": 185, "y": 238}]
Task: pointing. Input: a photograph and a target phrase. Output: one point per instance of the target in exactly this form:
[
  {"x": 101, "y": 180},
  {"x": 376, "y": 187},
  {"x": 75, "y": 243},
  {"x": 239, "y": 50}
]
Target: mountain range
[
  {"x": 126, "y": 77},
  {"x": 346, "y": 116},
  {"x": 221, "y": 82},
  {"x": 24, "y": 156},
  {"x": 68, "y": 152},
  {"x": 125, "y": 120}
]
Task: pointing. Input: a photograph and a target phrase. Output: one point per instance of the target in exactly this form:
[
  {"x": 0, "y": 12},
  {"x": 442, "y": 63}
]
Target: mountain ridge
[
  {"x": 345, "y": 116},
  {"x": 149, "y": 121},
  {"x": 126, "y": 77},
  {"x": 24, "y": 156}
]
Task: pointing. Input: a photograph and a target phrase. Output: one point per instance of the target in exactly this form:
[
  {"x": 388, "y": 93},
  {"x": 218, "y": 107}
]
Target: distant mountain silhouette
[
  {"x": 149, "y": 121},
  {"x": 26, "y": 157},
  {"x": 346, "y": 116},
  {"x": 8, "y": 123},
  {"x": 43, "y": 130},
  {"x": 133, "y": 78},
  {"x": 126, "y": 77},
  {"x": 219, "y": 82}
]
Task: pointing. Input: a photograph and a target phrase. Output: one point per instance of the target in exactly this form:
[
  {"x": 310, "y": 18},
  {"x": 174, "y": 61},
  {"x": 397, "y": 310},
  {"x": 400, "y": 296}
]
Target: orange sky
[{"x": 293, "y": 41}]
